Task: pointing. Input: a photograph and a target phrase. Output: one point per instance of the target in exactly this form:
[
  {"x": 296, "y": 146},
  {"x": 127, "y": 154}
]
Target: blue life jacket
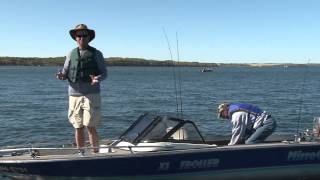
[{"x": 236, "y": 107}]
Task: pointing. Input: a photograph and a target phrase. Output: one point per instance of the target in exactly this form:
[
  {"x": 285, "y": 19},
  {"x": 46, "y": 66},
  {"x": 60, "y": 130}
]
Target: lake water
[{"x": 34, "y": 103}]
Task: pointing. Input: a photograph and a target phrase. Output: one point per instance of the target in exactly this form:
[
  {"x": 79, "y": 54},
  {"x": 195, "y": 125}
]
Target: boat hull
[{"x": 244, "y": 162}]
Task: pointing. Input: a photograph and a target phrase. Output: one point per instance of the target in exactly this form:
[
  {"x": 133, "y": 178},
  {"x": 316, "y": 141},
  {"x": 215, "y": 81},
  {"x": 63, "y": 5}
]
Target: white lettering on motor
[
  {"x": 303, "y": 156},
  {"x": 199, "y": 164}
]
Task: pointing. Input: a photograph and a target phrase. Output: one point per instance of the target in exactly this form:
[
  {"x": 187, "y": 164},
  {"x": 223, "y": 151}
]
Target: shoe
[{"x": 81, "y": 152}]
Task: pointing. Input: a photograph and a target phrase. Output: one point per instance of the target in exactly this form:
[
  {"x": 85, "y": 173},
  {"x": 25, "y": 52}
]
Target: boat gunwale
[{"x": 127, "y": 154}]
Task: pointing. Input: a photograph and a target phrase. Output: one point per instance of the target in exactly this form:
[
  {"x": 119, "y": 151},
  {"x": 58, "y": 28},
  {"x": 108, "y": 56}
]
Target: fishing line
[
  {"x": 302, "y": 95},
  {"x": 174, "y": 70}
]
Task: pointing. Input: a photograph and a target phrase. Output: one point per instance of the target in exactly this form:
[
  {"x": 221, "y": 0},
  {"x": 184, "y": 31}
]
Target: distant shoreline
[{"x": 119, "y": 61}]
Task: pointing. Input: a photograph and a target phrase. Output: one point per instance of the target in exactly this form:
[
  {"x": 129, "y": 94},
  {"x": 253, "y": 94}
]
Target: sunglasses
[{"x": 82, "y": 34}]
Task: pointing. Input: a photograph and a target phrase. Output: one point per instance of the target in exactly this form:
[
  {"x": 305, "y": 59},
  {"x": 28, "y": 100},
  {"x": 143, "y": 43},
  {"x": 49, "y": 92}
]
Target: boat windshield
[{"x": 157, "y": 128}]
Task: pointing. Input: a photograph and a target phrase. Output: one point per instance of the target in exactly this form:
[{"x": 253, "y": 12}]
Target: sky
[{"x": 215, "y": 31}]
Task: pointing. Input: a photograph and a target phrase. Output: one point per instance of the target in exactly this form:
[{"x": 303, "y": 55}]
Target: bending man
[{"x": 249, "y": 123}]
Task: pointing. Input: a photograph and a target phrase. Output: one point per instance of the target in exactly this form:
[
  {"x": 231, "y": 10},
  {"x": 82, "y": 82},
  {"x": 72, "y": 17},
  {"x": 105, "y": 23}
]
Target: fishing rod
[
  {"x": 302, "y": 96},
  {"x": 179, "y": 74},
  {"x": 174, "y": 73}
]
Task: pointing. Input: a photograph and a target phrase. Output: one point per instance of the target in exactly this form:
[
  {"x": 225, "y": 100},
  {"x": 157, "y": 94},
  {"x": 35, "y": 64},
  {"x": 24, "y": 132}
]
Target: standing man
[
  {"x": 84, "y": 68},
  {"x": 249, "y": 123}
]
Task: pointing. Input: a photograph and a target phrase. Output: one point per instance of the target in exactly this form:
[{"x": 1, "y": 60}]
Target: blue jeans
[{"x": 268, "y": 127}]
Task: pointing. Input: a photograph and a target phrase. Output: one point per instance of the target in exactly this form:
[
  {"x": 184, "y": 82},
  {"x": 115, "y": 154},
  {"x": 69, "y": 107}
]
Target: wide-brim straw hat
[{"x": 79, "y": 27}]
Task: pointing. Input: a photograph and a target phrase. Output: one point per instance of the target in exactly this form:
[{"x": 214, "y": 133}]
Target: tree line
[{"x": 111, "y": 61}]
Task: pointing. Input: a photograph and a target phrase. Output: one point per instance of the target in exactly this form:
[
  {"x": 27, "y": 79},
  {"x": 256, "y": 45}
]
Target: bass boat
[{"x": 165, "y": 147}]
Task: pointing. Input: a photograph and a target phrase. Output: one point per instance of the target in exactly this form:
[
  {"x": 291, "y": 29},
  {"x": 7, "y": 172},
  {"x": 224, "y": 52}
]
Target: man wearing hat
[
  {"x": 84, "y": 68},
  {"x": 249, "y": 123}
]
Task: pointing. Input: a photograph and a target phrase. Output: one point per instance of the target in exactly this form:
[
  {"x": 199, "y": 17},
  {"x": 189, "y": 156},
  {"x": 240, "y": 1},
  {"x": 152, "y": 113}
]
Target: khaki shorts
[{"x": 85, "y": 110}]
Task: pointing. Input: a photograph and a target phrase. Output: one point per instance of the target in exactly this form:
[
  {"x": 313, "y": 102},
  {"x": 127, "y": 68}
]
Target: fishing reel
[{"x": 306, "y": 136}]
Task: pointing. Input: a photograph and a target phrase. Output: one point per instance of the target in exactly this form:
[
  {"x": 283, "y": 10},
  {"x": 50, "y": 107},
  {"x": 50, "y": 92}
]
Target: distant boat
[{"x": 206, "y": 69}]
